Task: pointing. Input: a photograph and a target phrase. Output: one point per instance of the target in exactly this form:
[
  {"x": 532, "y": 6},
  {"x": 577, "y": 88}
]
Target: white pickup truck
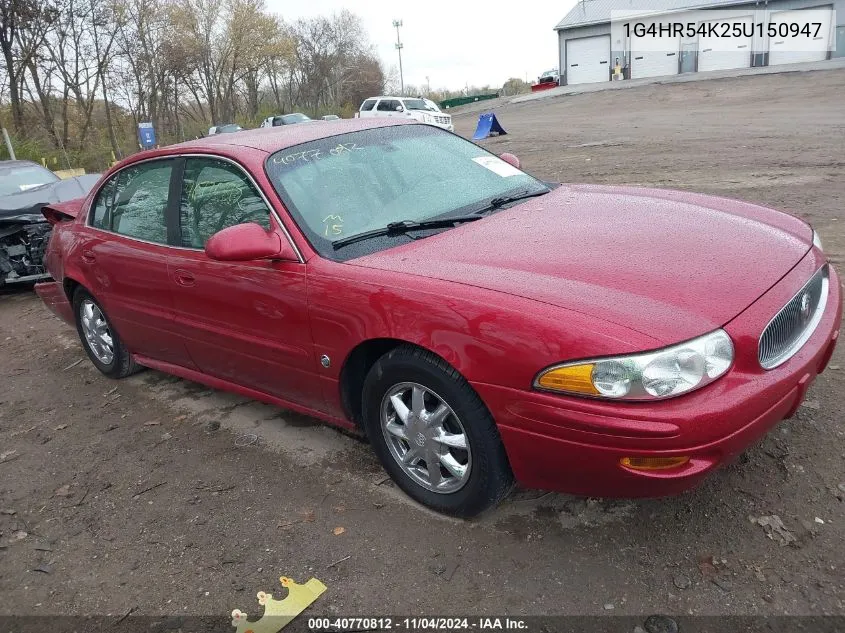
[{"x": 422, "y": 110}]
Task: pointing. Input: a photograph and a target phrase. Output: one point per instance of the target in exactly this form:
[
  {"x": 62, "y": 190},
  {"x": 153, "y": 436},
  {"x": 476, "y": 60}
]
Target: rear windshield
[{"x": 368, "y": 105}]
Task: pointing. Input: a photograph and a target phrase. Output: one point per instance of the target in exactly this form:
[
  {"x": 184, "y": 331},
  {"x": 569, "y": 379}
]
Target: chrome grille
[{"x": 795, "y": 323}]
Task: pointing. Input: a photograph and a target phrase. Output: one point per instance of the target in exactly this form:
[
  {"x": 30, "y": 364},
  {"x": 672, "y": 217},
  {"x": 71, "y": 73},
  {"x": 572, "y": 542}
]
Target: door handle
[
  {"x": 88, "y": 257},
  {"x": 183, "y": 278}
]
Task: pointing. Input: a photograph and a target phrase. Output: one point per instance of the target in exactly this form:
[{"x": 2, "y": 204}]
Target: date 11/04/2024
[
  {"x": 809, "y": 30},
  {"x": 430, "y": 623}
]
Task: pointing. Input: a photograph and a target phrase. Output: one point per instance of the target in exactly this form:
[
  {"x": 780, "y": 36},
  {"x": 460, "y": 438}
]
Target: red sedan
[{"x": 480, "y": 326}]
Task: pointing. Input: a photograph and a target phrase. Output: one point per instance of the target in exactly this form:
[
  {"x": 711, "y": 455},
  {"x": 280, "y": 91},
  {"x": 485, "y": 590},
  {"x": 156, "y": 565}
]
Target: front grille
[
  {"x": 442, "y": 119},
  {"x": 795, "y": 323}
]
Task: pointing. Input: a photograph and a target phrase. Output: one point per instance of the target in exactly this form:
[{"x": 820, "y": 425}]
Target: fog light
[{"x": 653, "y": 463}]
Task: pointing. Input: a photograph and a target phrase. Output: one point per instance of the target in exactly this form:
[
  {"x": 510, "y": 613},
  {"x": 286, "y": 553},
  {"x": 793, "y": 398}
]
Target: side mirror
[
  {"x": 399, "y": 108},
  {"x": 510, "y": 158},
  {"x": 247, "y": 242}
]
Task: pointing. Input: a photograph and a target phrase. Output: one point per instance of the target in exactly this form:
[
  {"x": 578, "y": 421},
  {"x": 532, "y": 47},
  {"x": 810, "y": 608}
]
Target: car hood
[
  {"x": 31, "y": 201},
  {"x": 671, "y": 265}
]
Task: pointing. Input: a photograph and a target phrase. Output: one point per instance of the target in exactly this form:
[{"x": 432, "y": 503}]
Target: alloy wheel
[
  {"x": 96, "y": 331},
  {"x": 426, "y": 437}
]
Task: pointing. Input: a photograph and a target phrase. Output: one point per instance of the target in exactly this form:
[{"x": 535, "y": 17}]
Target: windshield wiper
[
  {"x": 501, "y": 201},
  {"x": 400, "y": 228}
]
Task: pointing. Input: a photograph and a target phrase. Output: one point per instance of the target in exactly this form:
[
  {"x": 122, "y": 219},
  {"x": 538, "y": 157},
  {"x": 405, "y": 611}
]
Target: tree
[
  {"x": 515, "y": 86},
  {"x": 23, "y": 26}
]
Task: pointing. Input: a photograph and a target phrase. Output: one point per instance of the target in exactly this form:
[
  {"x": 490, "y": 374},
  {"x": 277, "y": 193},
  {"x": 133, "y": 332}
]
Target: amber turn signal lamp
[
  {"x": 653, "y": 463},
  {"x": 574, "y": 379}
]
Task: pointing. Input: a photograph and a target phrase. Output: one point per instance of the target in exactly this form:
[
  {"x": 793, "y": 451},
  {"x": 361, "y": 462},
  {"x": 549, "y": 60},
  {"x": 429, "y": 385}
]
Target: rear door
[
  {"x": 244, "y": 322},
  {"x": 368, "y": 108},
  {"x": 124, "y": 258}
]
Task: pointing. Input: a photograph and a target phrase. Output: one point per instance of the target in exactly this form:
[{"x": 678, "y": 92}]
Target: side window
[
  {"x": 368, "y": 105},
  {"x": 104, "y": 204},
  {"x": 216, "y": 195},
  {"x": 133, "y": 202},
  {"x": 387, "y": 105}
]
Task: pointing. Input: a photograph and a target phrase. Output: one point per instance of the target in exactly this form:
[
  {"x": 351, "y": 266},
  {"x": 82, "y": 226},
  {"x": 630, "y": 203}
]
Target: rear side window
[
  {"x": 134, "y": 201},
  {"x": 368, "y": 105},
  {"x": 387, "y": 105},
  {"x": 217, "y": 195}
]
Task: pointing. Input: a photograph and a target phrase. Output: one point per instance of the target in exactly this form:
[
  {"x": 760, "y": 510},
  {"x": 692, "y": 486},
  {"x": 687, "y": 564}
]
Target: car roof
[
  {"x": 20, "y": 163},
  {"x": 273, "y": 139}
]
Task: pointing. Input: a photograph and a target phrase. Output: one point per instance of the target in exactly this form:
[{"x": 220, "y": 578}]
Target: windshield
[
  {"x": 415, "y": 104},
  {"x": 296, "y": 117},
  {"x": 344, "y": 185},
  {"x": 432, "y": 106},
  {"x": 17, "y": 179}
]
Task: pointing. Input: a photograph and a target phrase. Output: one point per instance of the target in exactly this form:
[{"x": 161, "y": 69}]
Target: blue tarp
[{"x": 487, "y": 123}]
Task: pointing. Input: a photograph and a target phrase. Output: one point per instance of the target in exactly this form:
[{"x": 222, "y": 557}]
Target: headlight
[
  {"x": 654, "y": 375},
  {"x": 817, "y": 241}
]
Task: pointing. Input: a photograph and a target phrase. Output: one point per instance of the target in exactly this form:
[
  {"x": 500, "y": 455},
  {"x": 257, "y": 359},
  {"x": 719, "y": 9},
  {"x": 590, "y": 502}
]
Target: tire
[
  {"x": 117, "y": 364},
  {"x": 463, "y": 482}
]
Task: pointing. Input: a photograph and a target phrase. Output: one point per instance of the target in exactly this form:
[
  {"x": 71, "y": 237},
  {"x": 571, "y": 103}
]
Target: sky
[{"x": 453, "y": 43}]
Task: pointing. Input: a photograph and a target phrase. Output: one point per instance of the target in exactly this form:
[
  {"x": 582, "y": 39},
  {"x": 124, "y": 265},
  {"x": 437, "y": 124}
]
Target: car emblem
[
  {"x": 805, "y": 307},
  {"x": 420, "y": 439}
]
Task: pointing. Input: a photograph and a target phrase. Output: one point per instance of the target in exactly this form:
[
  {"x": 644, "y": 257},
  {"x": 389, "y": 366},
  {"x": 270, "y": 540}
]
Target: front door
[
  {"x": 387, "y": 107},
  {"x": 245, "y": 322}
]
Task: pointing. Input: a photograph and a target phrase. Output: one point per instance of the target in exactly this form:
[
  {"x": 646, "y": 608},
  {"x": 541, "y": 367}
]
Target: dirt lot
[{"x": 120, "y": 496}]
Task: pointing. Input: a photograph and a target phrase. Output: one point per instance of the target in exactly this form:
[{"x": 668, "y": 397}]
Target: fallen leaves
[
  {"x": 707, "y": 567},
  {"x": 338, "y": 531},
  {"x": 63, "y": 491}
]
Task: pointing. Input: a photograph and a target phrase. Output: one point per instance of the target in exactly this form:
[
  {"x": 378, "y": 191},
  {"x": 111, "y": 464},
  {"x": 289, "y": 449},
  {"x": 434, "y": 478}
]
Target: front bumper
[{"x": 575, "y": 445}]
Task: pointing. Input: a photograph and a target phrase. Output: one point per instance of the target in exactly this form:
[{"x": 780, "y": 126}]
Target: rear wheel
[
  {"x": 100, "y": 340},
  {"x": 433, "y": 434}
]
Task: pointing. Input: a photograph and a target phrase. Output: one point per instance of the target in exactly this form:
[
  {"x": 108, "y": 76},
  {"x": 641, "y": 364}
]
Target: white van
[{"x": 405, "y": 107}]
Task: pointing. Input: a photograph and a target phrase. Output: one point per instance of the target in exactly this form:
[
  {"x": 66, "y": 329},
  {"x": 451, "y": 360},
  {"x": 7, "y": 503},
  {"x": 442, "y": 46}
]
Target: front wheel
[
  {"x": 100, "y": 340},
  {"x": 433, "y": 434}
]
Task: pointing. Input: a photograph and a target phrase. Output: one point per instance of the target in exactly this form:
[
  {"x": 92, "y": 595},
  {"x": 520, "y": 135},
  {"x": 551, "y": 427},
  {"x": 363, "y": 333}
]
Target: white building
[{"x": 596, "y": 35}]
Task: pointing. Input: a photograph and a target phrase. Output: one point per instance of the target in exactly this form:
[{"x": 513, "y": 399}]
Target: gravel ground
[{"x": 160, "y": 496}]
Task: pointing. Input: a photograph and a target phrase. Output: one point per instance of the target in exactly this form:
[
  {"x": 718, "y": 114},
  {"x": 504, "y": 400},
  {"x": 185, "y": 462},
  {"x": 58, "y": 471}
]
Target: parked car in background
[
  {"x": 479, "y": 325},
  {"x": 227, "y": 128},
  {"x": 405, "y": 108},
  {"x": 549, "y": 77},
  {"x": 25, "y": 189},
  {"x": 330, "y": 117},
  {"x": 285, "y": 119}
]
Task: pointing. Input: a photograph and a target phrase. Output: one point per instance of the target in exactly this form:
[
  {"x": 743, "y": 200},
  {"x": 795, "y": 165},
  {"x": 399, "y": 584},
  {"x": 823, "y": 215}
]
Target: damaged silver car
[{"x": 26, "y": 188}]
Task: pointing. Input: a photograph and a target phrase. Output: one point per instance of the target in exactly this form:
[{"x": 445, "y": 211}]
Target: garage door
[
  {"x": 654, "y": 56},
  {"x": 723, "y": 53},
  {"x": 815, "y": 48},
  {"x": 588, "y": 60}
]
